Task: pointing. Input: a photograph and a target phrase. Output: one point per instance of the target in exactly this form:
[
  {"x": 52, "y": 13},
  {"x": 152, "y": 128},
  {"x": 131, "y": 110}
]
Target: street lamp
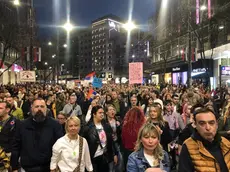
[
  {"x": 203, "y": 8},
  {"x": 221, "y": 27},
  {"x": 68, "y": 27},
  {"x": 49, "y": 43},
  {"x": 46, "y": 63},
  {"x": 16, "y": 2},
  {"x": 53, "y": 56},
  {"x": 65, "y": 45}
]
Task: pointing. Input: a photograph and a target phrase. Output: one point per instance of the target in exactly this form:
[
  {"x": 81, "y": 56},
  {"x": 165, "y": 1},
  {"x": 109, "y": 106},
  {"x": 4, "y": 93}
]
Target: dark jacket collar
[{"x": 206, "y": 143}]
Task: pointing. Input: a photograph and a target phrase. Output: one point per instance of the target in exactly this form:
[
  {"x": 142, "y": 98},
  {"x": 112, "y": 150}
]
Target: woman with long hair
[
  {"x": 146, "y": 106},
  {"x": 148, "y": 155},
  {"x": 71, "y": 152},
  {"x": 116, "y": 127},
  {"x": 133, "y": 121},
  {"x": 99, "y": 136},
  {"x": 224, "y": 123},
  {"x": 186, "y": 113},
  {"x": 156, "y": 118}
]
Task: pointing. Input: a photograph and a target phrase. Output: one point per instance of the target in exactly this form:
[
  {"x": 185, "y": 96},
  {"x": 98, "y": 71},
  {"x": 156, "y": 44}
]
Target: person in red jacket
[{"x": 133, "y": 121}]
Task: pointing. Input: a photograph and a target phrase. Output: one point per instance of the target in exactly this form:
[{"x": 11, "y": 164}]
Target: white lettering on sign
[
  {"x": 199, "y": 70},
  {"x": 175, "y": 69}
]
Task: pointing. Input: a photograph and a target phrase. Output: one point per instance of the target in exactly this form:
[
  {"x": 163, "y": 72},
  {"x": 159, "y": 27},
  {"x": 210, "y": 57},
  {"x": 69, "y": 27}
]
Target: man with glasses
[
  {"x": 34, "y": 140},
  {"x": 205, "y": 150}
]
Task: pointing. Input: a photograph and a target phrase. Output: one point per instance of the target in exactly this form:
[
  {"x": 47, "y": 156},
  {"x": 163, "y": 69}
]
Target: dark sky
[{"x": 84, "y": 11}]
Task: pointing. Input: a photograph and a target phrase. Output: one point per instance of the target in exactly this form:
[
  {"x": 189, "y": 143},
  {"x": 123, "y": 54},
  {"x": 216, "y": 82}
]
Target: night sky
[{"x": 84, "y": 11}]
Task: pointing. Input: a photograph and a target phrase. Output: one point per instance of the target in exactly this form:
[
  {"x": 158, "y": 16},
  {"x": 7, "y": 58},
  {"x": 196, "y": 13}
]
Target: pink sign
[{"x": 135, "y": 73}]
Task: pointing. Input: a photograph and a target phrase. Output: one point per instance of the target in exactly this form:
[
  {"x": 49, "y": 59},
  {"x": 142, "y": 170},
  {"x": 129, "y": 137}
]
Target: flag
[
  {"x": 91, "y": 94},
  {"x": 36, "y": 54},
  {"x": 193, "y": 55},
  {"x": 182, "y": 54},
  {"x": 90, "y": 76},
  {"x": 28, "y": 54},
  {"x": 2, "y": 63}
]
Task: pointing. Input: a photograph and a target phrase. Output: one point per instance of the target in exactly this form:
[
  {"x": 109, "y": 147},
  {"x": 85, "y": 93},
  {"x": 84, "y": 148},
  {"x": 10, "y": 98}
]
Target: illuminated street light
[
  {"x": 133, "y": 56},
  {"x": 49, "y": 43},
  {"x": 68, "y": 27},
  {"x": 65, "y": 45},
  {"x": 50, "y": 67},
  {"x": 53, "y": 56},
  {"x": 46, "y": 63},
  {"x": 221, "y": 27},
  {"x": 62, "y": 64},
  {"x": 203, "y": 8},
  {"x": 164, "y": 3},
  {"x": 16, "y": 2},
  {"x": 129, "y": 26}
]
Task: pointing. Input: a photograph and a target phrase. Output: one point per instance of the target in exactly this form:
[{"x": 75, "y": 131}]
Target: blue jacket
[{"x": 138, "y": 163}]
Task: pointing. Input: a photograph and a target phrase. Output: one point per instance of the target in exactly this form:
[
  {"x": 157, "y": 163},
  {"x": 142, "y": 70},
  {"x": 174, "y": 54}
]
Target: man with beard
[
  {"x": 15, "y": 111},
  {"x": 34, "y": 139}
]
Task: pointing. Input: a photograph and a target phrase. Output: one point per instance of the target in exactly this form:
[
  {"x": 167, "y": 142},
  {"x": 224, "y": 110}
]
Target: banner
[
  {"x": 27, "y": 76},
  {"x": 97, "y": 82},
  {"x": 135, "y": 73}
]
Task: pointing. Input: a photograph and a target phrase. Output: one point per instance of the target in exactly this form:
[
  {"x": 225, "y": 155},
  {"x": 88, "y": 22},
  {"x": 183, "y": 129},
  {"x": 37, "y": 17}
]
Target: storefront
[{"x": 179, "y": 74}]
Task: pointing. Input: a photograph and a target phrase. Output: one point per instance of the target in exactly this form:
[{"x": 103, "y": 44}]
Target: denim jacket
[{"x": 138, "y": 163}]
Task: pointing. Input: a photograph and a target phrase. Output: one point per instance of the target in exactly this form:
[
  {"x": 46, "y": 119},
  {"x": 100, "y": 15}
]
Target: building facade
[
  {"x": 190, "y": 36},
  {"x": 108, "y": 46}
]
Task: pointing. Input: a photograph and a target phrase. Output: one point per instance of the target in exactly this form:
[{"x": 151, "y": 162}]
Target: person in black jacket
[
  {"x": 7, "y": 130},
  {"x": 99, "y": 137},
  {"x": 34, "y": 139}
]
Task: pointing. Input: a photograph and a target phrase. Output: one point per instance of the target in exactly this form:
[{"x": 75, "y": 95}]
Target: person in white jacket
[
  {"x": 88, "y": 115},
  {"x": 71, "y": 152}
]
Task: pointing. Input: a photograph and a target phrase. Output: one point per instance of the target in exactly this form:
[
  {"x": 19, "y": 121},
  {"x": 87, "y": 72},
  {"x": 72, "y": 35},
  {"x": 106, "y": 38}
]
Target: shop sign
[
  {"x": 199, "y": 70},
  {"x": 225, "y": 70},
  {"x": 174, "y": 69}
]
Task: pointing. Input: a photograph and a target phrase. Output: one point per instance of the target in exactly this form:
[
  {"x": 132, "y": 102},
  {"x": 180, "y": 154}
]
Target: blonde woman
[
  {"x": 149, "y": 155},
  {"x": 224, "y": 123},
  {"x": 156, "y": 118},
  {"x": 71, "y": 152}
]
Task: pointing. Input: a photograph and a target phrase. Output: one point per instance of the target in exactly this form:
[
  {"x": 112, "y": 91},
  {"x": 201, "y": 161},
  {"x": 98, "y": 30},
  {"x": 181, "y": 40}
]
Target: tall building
[
  {"x": 108, "y": 42},
  {"x": 85, "y": 52}
]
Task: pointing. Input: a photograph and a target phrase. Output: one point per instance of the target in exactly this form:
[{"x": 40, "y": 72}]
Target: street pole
[
  {"x": 57, "y": 61},
  {"x": 189, "y": 53},
  {"x": 31, "y": 34}
]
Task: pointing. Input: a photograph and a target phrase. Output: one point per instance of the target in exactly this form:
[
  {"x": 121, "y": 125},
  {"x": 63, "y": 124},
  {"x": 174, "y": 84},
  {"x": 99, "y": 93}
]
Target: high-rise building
[
  {"x": 108, "y": 42},
  {"x": 85, "y": 52}
]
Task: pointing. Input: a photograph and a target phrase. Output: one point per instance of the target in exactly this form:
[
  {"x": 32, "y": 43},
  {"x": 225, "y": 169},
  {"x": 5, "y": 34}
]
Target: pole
[
  {"x": 31, "y": 35},
  {"x": 57, "y": 61},
  {"x": 189, "y": 48}
]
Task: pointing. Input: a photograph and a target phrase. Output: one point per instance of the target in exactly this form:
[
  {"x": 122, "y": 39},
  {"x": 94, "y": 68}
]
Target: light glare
[
  {"x": 16, "y": 2},
  {"x": 68, "y": 27},
  {"x": 203, "y": 8},
  {"x": 129, "y": 26}
]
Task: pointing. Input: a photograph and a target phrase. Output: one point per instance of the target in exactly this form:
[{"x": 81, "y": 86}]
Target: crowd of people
[{"x": 117, "y": 128}]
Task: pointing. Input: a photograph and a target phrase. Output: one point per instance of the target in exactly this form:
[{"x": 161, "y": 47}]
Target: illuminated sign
[
  {"x": 225, "y": 70},
  {"x": 199, "y": 70},
  {"x": 175, "y": 69}
]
